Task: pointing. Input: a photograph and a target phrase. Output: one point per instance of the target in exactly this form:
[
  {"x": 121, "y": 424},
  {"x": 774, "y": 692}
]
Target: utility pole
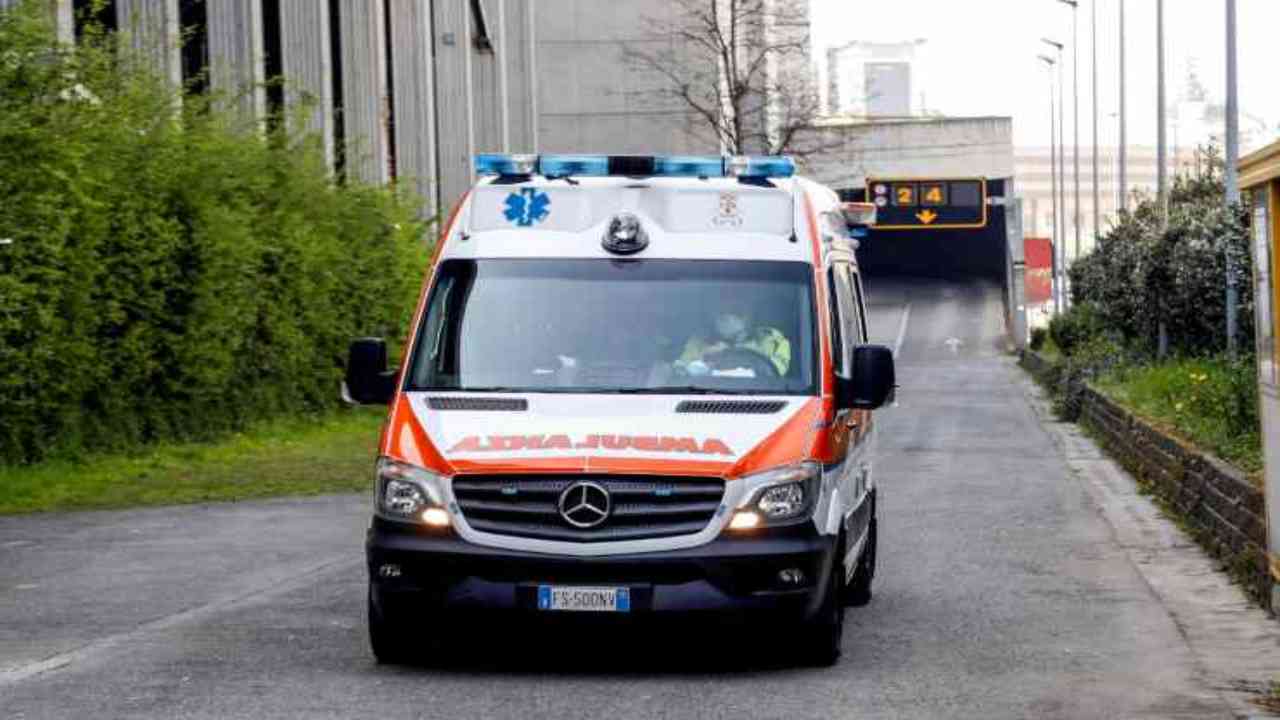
[
  {"x": 1123, "y": 202},
  {"x": 1075, "y": 117},
  {"x": 1093, "y": 32},
  {"x": 1060, "y": 247},
  {"x": 1053, "y": 165},
  {"x": 1162, "y": 190},
  {"x": 1232, "y": 181}
]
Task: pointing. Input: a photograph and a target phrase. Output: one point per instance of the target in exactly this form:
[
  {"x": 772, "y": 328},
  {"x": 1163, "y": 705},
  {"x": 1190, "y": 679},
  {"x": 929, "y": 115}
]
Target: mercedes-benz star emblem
[{"x": 584, "y": 504}]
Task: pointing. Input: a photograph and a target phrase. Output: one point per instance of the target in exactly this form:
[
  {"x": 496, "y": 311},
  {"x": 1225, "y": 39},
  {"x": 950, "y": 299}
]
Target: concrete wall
[
  {"x": 589, "y": 98},
  {"x": 943, "y": 147}
]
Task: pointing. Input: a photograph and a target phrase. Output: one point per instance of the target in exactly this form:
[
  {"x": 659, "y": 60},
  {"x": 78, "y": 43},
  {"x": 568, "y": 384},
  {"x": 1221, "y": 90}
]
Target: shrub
[
  {"x": 172, "y": 274},
  {"x": 1142, "y": 275},
  {"x": 1075, "y": 327},
  {"x": 1038, "y": 336}
]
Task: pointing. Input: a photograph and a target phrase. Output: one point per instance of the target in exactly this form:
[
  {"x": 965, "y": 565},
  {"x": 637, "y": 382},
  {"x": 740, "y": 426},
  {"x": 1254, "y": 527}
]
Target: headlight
[
  {"x": 410, "y": 493},
  {"x": 779, "y": 497}
]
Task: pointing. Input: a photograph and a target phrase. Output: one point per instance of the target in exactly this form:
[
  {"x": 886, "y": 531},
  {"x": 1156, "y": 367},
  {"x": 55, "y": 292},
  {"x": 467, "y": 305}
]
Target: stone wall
[{"x": 1214, "y": 501}]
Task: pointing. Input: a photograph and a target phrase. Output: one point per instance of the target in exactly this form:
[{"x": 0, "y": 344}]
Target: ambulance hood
[{"x": 707, "y": 435}]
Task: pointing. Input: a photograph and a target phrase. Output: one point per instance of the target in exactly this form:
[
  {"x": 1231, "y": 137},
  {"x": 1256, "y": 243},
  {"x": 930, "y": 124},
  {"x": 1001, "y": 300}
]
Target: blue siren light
[
  {"x": 740, "y": 166},
  {"x": 689, "y": 165},
  {"x": 566, "y": 165}
]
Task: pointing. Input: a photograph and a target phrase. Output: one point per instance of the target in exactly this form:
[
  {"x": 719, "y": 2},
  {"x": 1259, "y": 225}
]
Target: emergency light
[{"x": 742, "y": 166}]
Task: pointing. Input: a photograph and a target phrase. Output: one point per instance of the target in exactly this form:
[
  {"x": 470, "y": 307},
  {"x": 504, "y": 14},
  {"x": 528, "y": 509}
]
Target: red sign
[{"x": 1039, "y": 270}]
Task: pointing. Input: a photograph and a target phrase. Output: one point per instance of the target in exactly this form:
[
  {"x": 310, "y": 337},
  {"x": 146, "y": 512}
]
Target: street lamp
[
  {"x": 1093, "y": 34},
  {"x": 1232, "y": 181},
  {"x": 1053, "y": 173},
  {"x": 1123, "y": 202},
  {"x": 1075, "y": 115},
  {"x": 1061, "y": 245}
]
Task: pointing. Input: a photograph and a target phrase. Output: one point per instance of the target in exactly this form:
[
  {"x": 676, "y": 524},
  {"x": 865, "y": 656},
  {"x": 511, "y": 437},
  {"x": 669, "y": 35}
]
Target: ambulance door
[{"x": 849, "y": 468}]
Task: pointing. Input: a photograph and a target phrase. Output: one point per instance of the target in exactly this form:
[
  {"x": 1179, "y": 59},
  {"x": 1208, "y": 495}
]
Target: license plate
[{"x": 584, "y": 599}]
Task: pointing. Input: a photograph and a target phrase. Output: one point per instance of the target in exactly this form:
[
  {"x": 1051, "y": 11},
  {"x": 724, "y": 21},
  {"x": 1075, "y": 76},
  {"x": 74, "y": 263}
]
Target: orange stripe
[
  {"x": 406, "y": 441},
  {"x": 792, "y": 442},
  {"x": 582, "y": 464}
]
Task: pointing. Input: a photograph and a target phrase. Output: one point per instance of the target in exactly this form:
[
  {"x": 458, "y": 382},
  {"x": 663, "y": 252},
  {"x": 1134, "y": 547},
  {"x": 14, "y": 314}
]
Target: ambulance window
[
  {"x": 837, "y": 336},
  {"x": 636, "y": 326},
  {"x": 848, "y": 315},
  {"x": 860, "y": 306}
]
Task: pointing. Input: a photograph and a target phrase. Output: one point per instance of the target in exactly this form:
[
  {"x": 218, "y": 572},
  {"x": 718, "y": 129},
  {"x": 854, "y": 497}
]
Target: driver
[{"x": 735, "y": 329}]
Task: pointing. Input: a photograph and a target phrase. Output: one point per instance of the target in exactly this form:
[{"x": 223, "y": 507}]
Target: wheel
[
  {"x": 389, "y": 639},
  {"x": 821, "y": 636},
  {"x": 858, "y": 592}
]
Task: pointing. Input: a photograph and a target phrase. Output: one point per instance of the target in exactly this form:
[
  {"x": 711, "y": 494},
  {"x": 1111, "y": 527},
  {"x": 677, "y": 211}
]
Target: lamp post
[
  {"x": 1232, "y": 179},
  {"x": 1161, "y": 124},
  {"x": 1053, "y": 173},
  {"x": 1093, "y": 34},
  {"x": 1061, "y": 245},
  {"x": 1075, "y": 117},
  {"x": 1123, "y": 202}
]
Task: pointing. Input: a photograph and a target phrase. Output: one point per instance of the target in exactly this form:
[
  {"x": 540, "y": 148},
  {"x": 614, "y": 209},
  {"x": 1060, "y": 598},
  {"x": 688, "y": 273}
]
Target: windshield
[{"x": 656, "y": 326}]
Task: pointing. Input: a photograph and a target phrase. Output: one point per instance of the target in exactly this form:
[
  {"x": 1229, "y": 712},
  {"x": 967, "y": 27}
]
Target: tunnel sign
[{"x": 919, "y": 204}]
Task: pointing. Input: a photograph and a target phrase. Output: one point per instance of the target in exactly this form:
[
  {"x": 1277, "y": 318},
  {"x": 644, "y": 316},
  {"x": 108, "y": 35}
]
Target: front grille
[
  {"x": 642, "y": 506},
  {"x": 725, "y": 407}
]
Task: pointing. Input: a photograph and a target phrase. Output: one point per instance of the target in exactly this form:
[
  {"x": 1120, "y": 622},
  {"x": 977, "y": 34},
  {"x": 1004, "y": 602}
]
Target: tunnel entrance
[{"x": 935, "y": 228}]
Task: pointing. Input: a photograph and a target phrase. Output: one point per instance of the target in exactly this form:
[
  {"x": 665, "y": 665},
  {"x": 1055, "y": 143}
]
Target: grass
[
  {"x": 300, "y": 456},
  {"x": 1210, "y": 403}
]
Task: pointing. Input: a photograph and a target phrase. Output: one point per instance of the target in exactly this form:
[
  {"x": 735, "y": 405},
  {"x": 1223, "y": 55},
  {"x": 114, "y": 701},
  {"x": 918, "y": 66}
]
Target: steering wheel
[{"x": 742, "y": 357}]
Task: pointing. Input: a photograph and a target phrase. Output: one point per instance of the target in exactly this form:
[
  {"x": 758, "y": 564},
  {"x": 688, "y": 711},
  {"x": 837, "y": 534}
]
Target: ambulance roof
[{"x": 681, "y": 217}]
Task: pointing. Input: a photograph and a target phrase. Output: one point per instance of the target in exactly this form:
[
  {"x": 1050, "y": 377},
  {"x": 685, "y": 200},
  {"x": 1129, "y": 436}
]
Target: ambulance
[{"x": 634, "y": 386}]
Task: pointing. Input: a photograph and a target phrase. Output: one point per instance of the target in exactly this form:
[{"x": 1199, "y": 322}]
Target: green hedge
[
  {"x": 1141, "y": 274},
  {"x": 173, "y": 272}
]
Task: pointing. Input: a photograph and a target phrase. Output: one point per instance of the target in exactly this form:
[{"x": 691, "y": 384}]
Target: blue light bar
[
  {"x": 494, "y": 164},
  {"x": 760, "y": 166},
  {"x": 567, "y": 165},
  {"x": 741, "y": 166},
  {"x": 688, "y": 165}
]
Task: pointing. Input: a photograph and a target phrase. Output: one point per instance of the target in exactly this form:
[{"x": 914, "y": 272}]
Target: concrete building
[
  {"x": 1033, "y": 170},
  {"x": 604, "y": 101},
  {"x": 874, "y": 79},
  {"x": 396, "y": 90},
  {"x": 927, "y": 147}
]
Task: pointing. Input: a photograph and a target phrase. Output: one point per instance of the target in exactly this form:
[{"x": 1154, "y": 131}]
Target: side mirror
[
  {"x": 368, "y": 382},
  {"x": 873, "y": 381},
  {"x": 859, "y": 215}
]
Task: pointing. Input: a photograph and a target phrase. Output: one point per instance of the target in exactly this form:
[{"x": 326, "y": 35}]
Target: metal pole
[
  {"x": 1232, "y": 181},
  {"x": 1124, "y": 150},
  {"x": 1075, "y": 122},
  {"x": 1060, "y": 244},
  {"x": 1097, "y": 224},
  {"x": 1053, "y": 165},
  {"x": 1161, "y": 129}
]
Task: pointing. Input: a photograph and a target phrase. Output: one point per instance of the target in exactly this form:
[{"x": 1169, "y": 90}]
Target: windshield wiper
[{"x": 672, "y": 390}]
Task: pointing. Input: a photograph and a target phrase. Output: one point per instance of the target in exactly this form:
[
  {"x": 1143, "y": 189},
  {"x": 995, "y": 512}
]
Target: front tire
[
  {"x": 822, "y": 636},
  {"x": 388, "y": 638},
  {"x": 858, "y": 592}
]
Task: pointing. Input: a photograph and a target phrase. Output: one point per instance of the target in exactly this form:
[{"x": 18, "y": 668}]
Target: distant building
[
  {"x": 870, "y": 79},
  {"x": 397, "y": 90},
  {"x": 593, "y": 99}
]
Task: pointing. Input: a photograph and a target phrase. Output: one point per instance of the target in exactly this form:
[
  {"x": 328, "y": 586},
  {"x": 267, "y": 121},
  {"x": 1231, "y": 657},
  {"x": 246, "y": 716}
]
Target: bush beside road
[{"x": 171, "y": 271}]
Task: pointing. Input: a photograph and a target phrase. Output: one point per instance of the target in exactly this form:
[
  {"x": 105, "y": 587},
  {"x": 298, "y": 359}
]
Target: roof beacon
[{"x": 704, "y": 166}]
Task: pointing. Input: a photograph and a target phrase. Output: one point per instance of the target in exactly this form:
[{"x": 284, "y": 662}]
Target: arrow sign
[
  {"x": 954, "y": 344},
  {"x": 926, "y": 216}
]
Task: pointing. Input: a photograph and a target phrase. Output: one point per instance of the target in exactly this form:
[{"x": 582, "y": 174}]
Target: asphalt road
[{"x": 1004, "y": 590}]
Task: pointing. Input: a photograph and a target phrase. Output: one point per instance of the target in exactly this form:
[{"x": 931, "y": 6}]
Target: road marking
[
  {"x": 953, "y": 344},
  {"x": 302, "y": 577},
  {"x": 902, "y": 330}
]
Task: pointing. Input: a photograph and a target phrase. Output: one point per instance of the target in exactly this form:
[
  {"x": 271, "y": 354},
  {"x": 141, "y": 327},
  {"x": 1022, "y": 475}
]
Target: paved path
[{"x": 1021, "y": 576}]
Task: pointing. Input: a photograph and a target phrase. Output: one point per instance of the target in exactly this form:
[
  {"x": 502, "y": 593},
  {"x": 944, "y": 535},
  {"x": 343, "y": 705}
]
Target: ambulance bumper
[{"x": 414, "y": 569}]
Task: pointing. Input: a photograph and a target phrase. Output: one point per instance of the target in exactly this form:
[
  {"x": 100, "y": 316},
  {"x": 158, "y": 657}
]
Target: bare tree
[{"x": 742, "y": 68}]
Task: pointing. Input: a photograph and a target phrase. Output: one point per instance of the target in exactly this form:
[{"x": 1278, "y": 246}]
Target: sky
[{"x": 979, "y": 57}]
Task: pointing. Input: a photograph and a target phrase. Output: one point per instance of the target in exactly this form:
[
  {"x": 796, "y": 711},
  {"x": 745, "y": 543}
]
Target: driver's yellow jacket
[{"x": 764, "y": 341}]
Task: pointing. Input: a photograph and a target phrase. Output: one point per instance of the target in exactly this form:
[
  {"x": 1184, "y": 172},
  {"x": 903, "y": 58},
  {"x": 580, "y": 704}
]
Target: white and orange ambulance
[{"x": 638, "y": 385}]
